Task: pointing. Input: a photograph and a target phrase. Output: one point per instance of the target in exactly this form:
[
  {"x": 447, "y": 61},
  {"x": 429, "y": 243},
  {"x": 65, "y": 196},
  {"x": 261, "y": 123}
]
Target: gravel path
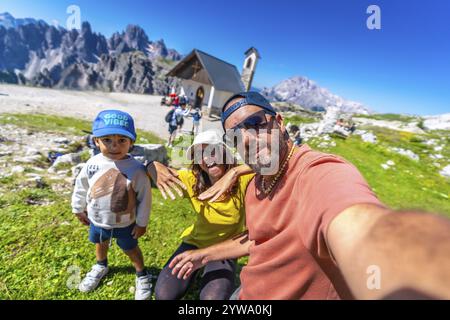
[{"x": 145, "y": 109}]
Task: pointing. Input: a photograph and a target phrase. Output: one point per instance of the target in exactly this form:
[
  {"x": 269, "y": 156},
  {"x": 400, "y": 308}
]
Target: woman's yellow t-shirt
[{"x": 216, "y": 221}]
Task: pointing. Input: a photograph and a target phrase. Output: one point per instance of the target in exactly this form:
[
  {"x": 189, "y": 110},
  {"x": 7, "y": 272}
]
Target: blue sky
[{"x": 402, "y": 68}]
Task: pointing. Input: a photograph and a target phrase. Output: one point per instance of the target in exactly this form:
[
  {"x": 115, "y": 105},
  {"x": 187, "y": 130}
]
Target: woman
[{"x": 216, "y": 221}]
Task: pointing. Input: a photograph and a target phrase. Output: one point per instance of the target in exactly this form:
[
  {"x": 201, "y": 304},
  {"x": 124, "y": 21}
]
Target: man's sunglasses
[{"x": 255, "y": 122}]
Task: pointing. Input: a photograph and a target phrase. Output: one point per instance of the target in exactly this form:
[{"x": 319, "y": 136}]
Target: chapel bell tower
[{"x": 248, "y": 71}]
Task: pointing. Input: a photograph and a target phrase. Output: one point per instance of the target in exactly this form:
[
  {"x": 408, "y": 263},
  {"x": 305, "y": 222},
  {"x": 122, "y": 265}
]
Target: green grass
[
  {"x": 40, "y": 243},
  {"x": 298, "y": 120},
  {"x": 409, "y": 184},
  {"x": 64, "y": 125},
  {"x": 388, "y": 117},
  {"x": 44, "y": 245}
]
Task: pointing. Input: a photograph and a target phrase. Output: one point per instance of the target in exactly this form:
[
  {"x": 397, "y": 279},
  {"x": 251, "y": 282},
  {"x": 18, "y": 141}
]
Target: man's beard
[{"x": 264, "y": 156}]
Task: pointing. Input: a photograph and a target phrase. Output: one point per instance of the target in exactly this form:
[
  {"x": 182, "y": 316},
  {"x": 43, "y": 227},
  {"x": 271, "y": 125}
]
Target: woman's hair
[{"x": 202, "y": 181}]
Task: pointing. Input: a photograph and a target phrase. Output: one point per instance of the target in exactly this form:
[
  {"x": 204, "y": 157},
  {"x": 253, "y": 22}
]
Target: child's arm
[
  {"x": 141, "y": 185},
  {"x": 79, "y": 195}
]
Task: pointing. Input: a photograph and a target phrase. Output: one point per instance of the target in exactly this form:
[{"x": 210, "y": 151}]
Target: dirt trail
[{"x": 145, "y": 109}]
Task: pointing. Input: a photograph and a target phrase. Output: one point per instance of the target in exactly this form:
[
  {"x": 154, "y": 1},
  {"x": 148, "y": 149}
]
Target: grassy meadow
[{"x": 45, "y": 249}]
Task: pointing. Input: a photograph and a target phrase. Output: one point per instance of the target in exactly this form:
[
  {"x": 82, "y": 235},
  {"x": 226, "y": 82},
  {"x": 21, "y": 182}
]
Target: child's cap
[{"x": 110, "y": 122}]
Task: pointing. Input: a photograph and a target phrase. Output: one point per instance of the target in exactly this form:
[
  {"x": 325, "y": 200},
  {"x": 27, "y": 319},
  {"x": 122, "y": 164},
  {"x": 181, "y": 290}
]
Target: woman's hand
[
  {"x": 220, "y": 187},
  {"x": 165, "y": 179},
  {"x": 186, "y": 263}
]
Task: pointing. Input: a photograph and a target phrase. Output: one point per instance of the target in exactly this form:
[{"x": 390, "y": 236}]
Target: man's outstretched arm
[
  {"x": 189, "y": 261},
  {"x": 388, "y": 254}
]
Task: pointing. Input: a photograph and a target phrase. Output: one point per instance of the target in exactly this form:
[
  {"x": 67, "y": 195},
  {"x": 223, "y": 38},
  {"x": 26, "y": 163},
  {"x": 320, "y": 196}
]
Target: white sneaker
[
  {"x": 143, "y": 288},
  {"x": 92, "y": 279}
]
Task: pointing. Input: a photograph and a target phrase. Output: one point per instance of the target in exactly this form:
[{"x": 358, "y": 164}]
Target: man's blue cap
[
  {"x": 110, "y": 122},
  {"x": 253, "y": 98}
]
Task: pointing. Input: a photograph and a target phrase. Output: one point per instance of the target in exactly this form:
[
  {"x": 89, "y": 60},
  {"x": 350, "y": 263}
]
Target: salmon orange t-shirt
[{"x": 290, "y": 259}]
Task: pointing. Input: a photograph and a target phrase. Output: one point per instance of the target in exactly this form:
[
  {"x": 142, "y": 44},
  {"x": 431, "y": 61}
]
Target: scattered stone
[
  {"x": 441, "y": 122},
  {"x": 369, "y": 137},
  {"x": 28, "y": 159},
  {"x": 32, "y": 152},
  {"x": 407, "y": 153},
  {"x": 445, "y": 172},
  {"x": 61, "y": 140},
  {"x": 436, "y": 156},
  {"x": 17, "y": 169},
  {"x": 389, "y": 164},
  {"x": 431, "y": 142},
  {"x": 391, "y": 124},
  {"x": 71, "y": 158},
  {"x": 5, "y": 153}
]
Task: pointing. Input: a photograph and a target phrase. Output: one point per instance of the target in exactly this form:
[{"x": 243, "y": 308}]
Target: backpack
[
  {"x": 196, "y": 115},
  {"x": 180, "y": 120},
  {"x": 169, "y": 115}
]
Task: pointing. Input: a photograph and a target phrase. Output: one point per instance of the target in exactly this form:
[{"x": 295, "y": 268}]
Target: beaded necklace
[{"x": 268, "y": 190}]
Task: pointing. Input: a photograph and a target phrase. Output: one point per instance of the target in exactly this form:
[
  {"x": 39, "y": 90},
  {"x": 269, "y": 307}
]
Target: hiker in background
[
  {"x": 340, "y": 123},
  {"x": 215, "y": 222},
  {"x": 295, "y": 132},
  {"x": 196, "y": 117},
  {"x": 341, "y": 129},
  {"x": 175, "y": 118},
  {"x": 351, "y": 127}
]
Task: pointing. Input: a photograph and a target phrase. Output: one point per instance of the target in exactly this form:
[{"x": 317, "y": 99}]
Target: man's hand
[
  {"x": 221, "y": 187},
  {"x": 82, "y": 216},
  {"x": 186, "y": 263},
  {"x": 165, "y": 179},
  {"x": 138, "y": 231}
]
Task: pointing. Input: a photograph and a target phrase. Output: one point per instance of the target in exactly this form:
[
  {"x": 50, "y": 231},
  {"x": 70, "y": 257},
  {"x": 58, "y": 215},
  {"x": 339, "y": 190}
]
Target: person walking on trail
[
  {"x": 315, "y": 228},
  {"x": 215, "y": 221},
  {"x": 196, "y": 117},
  {"x": 175, "y": 117}
]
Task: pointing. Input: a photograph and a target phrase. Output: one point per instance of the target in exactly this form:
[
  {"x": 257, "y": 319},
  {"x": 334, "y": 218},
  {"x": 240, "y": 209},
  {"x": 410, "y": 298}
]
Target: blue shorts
[
  {"x": 172, "y": 129},
  {"x": 123, "y": 235}
]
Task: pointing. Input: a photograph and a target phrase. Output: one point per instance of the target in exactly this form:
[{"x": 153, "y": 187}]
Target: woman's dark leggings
[{"x": 217, "y": 281}]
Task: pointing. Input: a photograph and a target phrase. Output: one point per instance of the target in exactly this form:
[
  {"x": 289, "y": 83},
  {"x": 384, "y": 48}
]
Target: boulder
[
  {"x": 445, "y": 172},
  {"x": 150, "y": 152},
  {"x": 407, "y": 153}
]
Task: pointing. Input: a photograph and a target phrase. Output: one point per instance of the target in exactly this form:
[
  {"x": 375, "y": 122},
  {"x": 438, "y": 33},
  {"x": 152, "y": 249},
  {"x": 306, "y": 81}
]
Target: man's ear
[
  {"x": 96, "y": 142},
  {"x": 280, "y": 121}
]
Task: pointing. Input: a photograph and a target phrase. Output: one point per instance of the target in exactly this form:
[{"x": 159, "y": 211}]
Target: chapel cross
[{"x": 196, "y": 68}]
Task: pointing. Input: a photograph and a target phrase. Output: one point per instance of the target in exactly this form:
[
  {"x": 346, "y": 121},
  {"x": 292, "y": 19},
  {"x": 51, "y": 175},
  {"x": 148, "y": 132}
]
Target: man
[{"x": 315, "y": 228}]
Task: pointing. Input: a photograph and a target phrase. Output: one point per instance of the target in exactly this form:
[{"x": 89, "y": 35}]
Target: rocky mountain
[
  {"x": 8, "y": 21},
  {"x": 306, "y": 93},
  {"x": 33, "y": 52}
]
